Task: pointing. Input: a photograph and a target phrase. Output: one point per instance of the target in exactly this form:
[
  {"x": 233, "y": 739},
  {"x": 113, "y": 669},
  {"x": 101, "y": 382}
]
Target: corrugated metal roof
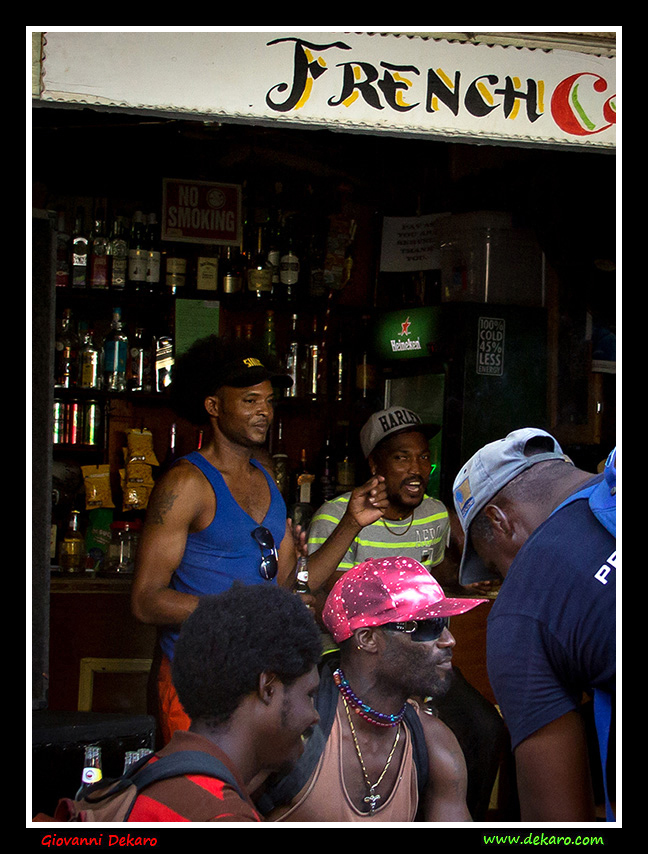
[{"x": 597, "y": 43}]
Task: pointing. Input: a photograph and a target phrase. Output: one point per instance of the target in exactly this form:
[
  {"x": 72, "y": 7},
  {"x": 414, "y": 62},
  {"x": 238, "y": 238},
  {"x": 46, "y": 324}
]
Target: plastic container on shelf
[
  {"x": 485, "y": 258},
  {"x": 122, "y": 548}
]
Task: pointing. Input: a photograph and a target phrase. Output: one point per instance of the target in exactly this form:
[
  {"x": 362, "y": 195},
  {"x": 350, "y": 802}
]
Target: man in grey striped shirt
[{"x": 390, "y": 514}]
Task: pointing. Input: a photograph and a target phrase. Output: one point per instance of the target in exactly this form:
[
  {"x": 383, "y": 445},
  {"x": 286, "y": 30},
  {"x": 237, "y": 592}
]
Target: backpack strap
[
  {"x": 152, "y": 770},
  {"x": 419, "y": 747}
]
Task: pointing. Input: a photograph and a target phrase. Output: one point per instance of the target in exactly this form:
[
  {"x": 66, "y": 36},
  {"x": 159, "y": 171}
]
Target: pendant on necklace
[{"x": 372, "y": 799}]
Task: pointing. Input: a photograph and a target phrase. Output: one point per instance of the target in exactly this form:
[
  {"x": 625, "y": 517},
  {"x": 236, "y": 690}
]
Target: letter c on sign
[{"x": 568, "y": 111}]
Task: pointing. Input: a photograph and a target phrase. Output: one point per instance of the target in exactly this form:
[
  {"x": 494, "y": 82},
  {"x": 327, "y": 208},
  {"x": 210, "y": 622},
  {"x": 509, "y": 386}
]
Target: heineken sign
[{"x": 407, "y": 334}]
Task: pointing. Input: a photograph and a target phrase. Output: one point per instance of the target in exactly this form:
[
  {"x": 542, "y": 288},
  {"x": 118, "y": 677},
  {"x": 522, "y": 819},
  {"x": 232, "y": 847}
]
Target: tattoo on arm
[{"x": 161, "y": 505}]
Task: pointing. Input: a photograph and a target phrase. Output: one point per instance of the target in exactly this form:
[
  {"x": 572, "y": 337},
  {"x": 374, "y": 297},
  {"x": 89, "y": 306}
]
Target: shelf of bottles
[{"x": 118, "y": 287}]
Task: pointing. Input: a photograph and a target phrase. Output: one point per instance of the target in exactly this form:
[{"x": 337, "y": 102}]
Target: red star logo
[{"x": 405, "y": 327}]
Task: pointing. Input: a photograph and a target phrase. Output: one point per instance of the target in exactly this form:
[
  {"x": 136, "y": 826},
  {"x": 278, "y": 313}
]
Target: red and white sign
[{"x": 201, "y": 212}]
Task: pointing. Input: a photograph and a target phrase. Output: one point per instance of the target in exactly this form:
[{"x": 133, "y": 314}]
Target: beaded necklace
[{"x": 365, "y": 711}]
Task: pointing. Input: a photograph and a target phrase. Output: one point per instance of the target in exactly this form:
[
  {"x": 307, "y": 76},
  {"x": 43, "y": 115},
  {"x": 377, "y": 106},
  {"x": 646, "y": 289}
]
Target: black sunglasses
[
  {"x": 421, "y": 630},
  {"x": 265, "y": 540}
]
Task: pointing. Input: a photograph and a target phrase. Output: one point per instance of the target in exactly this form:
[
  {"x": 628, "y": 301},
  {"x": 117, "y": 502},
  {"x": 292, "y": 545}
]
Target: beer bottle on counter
[
  {"x": 301, "y": 586},
  {"x": 92, "y": 771}
]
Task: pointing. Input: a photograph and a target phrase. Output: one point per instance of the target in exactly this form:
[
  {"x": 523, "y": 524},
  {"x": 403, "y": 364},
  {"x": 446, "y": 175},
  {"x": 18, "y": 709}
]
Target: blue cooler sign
[{"x": 490, "y": 346}]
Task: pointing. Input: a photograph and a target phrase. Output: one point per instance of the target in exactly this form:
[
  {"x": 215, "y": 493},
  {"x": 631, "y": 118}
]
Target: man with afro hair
[{"x": 245, "y": 668}]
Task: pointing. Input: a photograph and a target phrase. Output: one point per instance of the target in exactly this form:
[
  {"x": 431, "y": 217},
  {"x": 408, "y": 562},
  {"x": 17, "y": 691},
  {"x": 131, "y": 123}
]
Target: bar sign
[
  {"x": 490, "y": 346},
  {"x": 201, "y": 212}
]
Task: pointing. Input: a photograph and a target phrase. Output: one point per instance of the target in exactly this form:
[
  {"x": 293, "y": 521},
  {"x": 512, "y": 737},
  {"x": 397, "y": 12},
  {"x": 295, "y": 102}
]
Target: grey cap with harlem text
[{"x": 390, "y": 421}]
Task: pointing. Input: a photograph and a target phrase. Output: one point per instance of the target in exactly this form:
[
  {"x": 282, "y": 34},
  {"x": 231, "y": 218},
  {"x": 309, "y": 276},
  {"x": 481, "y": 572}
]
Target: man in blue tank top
[{"x": 216, "y": 516}]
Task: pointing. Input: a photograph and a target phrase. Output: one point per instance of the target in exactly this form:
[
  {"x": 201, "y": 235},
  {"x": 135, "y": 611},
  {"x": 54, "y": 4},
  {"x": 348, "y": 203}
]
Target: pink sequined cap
[{"x": 388, "y": 590}]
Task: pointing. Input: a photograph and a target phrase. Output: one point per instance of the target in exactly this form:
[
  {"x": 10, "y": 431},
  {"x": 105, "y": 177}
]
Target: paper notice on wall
[{"x": 410, "y": 243}]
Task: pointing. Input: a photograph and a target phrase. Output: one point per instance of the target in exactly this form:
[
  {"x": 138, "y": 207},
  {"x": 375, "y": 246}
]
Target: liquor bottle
[
  {"x": 79, "y": 251},
  {"x": 301, "y": 586},
  {"x": 231, "y": 275},
  {"x": 137, "y": 253},
  {"x": 345, "y": 468},
  {"x": 62, "y": 253},
  {"x": 175, "y": 270},
  {"x": 92, "y": 772},
  {"x": 274, "y": 255},
  {"x": 99, "y": 253},
  {"x": 89, "y": 362},
  {"x": 115, "y": 355},
  {"x": 302, "y": 510},
  {"x": 65, "y": 353},
  {"x": 172, "y": 453},
  {"x": 269, "y": 336},
  {"x": 296, "y": 361},
  {"x": 207, "y": 271},
  {"x": 140, "y": 371},
  {"x": 118, "y": 256},
  {"x": 259, "y": 274},
  {"x": 314, "y": 358},
  {"x": 289, "y": 272},
  {"x": 71, "y": 550},
  {"x": 163, "y": 366},
  {"x": 280, "y": 463},
  {"x": 326, "y": 483},
  {"x": 152, "y": 254}
]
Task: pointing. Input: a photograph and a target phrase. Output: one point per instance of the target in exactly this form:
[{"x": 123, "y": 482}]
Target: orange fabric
[{"x": 172, "y": 716}]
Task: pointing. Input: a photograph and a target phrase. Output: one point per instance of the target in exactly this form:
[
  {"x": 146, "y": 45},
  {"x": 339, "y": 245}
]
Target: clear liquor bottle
[
  {"x": 137, "y": 253},
  {"x": 89, "y": 362},
  {"x": 71, "y": 550},
  {"x": 99, "y": 253},
  {"x": 115, "y": 355},
  {"x": 79, "y": 247},
  {"x": 65, "y": 353},
  {"x": 118, "y": 256}
]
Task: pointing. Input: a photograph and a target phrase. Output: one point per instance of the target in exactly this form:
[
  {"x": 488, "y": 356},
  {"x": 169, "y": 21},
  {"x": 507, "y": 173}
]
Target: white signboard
[
  {"x": 410, "y": 243},
  {"x": 490, "y": 346},
  {"x": 354, "y": 81}
]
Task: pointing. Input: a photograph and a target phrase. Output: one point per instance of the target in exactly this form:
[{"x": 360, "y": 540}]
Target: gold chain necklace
[
  {"x": 392, "y": 531},
  {"x": 372, "y": 798}
]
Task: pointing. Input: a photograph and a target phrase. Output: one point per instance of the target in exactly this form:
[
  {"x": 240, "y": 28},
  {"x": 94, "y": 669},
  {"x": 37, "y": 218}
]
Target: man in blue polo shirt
[{"x": 552, "y": 630}]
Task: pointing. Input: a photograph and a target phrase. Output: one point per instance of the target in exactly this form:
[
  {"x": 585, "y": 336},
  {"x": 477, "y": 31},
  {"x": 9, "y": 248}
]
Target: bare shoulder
[
  {"x": 445, "y": 754},
  {"x": 181, "y": 491}
]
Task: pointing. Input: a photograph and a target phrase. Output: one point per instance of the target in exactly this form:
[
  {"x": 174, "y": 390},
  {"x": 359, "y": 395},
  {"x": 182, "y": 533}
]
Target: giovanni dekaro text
[{"x": 580, "y": 104}]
